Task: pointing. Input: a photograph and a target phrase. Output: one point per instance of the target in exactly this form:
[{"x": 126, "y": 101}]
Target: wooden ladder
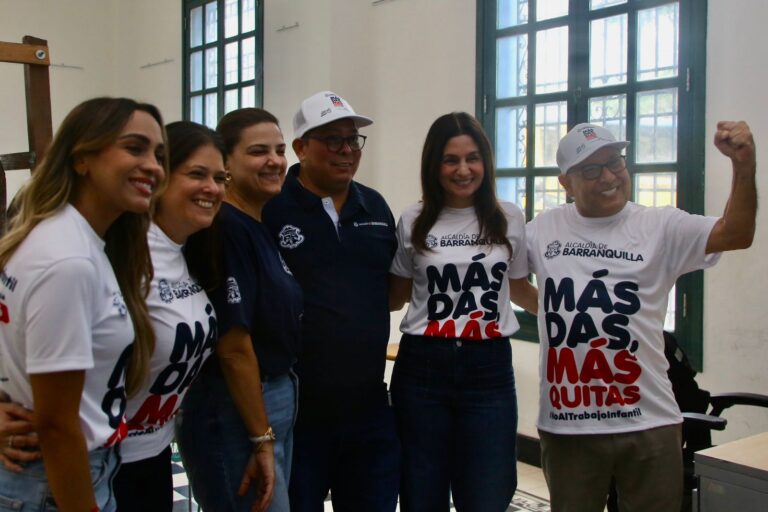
[{"x": 33, "y": 54}]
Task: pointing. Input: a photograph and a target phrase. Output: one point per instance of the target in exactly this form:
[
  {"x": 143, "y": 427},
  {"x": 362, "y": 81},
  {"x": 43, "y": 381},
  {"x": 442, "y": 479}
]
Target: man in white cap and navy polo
[
  {"x": 604, "y": 267},
  {"x": 338, "y": 238}
]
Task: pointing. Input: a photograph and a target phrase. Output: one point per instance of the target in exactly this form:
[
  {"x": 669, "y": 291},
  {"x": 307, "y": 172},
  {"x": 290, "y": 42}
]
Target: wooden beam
[
  {"x": 17, "y": 161},
  {"x": 38, "y": 92},
  {"x": 25, "y": 53}
]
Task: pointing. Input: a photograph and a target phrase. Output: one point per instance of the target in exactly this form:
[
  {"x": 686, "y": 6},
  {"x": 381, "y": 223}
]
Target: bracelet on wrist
[{"x": 267, "y": 437}]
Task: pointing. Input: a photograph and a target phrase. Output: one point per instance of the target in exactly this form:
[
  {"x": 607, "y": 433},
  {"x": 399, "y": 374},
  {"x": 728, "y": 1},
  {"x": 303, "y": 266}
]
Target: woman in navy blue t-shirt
[{"x": 237, "y": 420}]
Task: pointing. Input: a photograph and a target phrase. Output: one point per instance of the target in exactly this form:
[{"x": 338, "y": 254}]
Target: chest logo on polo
[
  {"x": 553, "y": 249},
  {"x": 290, "y": 237}
]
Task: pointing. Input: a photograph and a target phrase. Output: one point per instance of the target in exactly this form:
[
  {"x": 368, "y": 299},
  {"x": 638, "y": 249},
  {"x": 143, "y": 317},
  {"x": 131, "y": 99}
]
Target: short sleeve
[
  {"x": 402, "y": 263},
  {"x": 234, "y": 300},
  {"x": 685, "y": 241},
  {"x": 60, "y": 316},
  {"x": 516, "y": 237}
]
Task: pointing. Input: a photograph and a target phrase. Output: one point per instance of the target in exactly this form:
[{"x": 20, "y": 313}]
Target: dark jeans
[
  {"x": 358, "y": 460},
  {"x": 456, "y": 412},
  {"x": 145, "y": 485}
]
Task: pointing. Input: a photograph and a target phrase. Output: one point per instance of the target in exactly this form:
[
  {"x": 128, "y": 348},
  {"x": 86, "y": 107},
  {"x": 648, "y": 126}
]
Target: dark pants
[
  {"x": 358, "y": 460},
  {"x": 145, "y": 485},
  {"x": 456, "y": 411}
]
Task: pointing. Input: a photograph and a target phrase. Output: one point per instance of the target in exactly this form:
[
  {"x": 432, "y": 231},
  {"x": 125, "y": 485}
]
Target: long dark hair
[
  {"x": 89, "y": 128},
  {"x": 184, "y": 138},
  {"x": 490, "y": 216}
]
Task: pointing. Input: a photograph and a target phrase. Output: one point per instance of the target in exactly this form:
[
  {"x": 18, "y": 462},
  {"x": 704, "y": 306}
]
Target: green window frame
[
  {"x": 635, "y": 66},
  {"x": 222, "y": 44}
]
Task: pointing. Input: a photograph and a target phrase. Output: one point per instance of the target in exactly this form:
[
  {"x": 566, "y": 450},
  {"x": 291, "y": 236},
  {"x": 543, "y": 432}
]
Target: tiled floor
[{"x": 530, "y": 482}]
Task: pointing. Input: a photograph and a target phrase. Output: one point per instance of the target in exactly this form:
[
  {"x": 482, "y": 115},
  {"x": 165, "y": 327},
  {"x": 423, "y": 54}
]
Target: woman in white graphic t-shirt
[
  {"x": 182, "y": 318},
  {"x": 75, "y": 336},
  {"x": 461, "y": 257}
]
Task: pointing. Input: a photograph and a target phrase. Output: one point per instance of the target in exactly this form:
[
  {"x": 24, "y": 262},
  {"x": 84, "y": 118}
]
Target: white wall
[
  {"x": 79, "y": 33},
  {"x": 735, "y": 320},
  {"x": 404, "y": 62}
]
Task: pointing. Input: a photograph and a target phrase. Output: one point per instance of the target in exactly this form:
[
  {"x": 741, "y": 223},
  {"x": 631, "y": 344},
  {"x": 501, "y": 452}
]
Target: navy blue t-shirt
[
  {"x": 344, "y": 277},
  {"x": 258, "y": 292}
]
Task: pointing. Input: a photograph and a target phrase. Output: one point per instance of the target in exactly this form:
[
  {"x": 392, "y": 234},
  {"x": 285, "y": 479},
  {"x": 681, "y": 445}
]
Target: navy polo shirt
[
  {"x": 258, "y": 292},
  {"x": 343, "y": 271}
]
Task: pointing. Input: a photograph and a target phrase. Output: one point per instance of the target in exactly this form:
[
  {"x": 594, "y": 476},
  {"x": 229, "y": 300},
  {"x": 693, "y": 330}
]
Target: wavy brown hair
[
  {"x": 88, "y": 129},
  {"x": 490, "y": 216}
]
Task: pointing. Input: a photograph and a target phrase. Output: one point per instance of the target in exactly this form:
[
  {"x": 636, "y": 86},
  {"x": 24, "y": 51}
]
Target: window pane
[
  {"x": 608, "y": 51},
  {"x": 211, "y": 111},
  {"x": 512, "y": 66},
  {"x": 512, "y": 190},
  {"x": 211, "y": 22},
  {"x": 657, "y": 42},
  {"x": 230, "y": 63},
  {"x": 552, "y": 60},
  {"x": 211, "y": 67},
  {"x": 249, "y": 15},
  {"x": 656, "y": 189},
  {"x": 249, "y": 59},
  {"x": 547, "y": 193},
  {"x": 248, "y": 96},
  {"x": 511, "y": 13},
  {"x": 196, "y": 109},
  {"x": 511, "y": 137},
  {"x": 656, "y": 127},
  {"x": 610, "y": 112},
  {"x": 196, "y": 27},
  {"x": 230, "y": 100},
  {"x": 551, "y": 126},
  {"x": 548, "y": 9},
  {"x": 196, "y": 71},
  {"x": 230, "y": 18},
  {"x": 599, "y": 4}
]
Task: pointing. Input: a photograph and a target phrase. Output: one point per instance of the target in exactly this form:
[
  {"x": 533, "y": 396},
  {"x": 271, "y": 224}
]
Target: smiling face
[
  {"x": 461, "y": 171},
  {"x": 601, "y": 197},
  {"x": 257, "y": 163},
  {"x": 325, "y": 172},
  {"x": 194, "y": 194},
  {"x": 122, "y": 176}
]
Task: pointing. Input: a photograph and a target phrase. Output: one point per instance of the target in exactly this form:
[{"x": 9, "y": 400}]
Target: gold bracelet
[{"x": 268, "y": 437}]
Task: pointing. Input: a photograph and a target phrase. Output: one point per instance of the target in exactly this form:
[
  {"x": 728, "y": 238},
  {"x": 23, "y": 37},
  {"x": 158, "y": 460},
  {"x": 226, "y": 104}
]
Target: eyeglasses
[
  {"x": 593, "y": 171},
  {"x": 335, "y": 143}
]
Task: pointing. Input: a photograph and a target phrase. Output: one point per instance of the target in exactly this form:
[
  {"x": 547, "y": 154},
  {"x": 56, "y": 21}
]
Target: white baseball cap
[
  {"x": 323, "y": 108},
  {"x": 583, "y": 140}
]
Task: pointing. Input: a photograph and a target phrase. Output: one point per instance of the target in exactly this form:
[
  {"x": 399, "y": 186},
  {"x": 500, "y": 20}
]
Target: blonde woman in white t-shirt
[
  {"x": 461, "y": 257},
  {"x": 72, "y": 301}
]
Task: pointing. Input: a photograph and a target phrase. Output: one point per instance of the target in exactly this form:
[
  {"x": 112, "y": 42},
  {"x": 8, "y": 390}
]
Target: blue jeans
[
  {"x": 214, "y": 442},
  {"x": 456, "y": 412},
  {"x": 358, "y": 460},
  {"x": 29, "y": 490}
]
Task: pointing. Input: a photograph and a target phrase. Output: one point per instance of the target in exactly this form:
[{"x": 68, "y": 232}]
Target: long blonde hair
[{"x": 89, "y": 128}]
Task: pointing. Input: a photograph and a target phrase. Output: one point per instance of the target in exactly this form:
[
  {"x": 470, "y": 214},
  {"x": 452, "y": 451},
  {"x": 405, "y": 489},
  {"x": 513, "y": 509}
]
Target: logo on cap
[
  {"x": 589, "y": 134},
  {"x": 336, "y": 101}
]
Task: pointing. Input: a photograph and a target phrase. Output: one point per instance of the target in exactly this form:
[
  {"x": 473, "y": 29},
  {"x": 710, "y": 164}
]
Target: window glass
[
  {"x": 610, "y": 112},
  {"x": 656, "y": 130},
  {"x": 211, "y": 22},
  {"x": 511, "y": 135},
  {"x": 512, "y": 66},
  {"x": 231, "y": 20},
  {"x": 551, "y": 126},
  {"x": 552, "y": 60},
  {"x": 196, "y": 27},
  {"x": 608, "y": 51},
  {"x": 511, "y": 13},
  {"x": 548, "y": 9},
  {"x": 512, "y": 190},
  {"x": 657, "y": 42}
]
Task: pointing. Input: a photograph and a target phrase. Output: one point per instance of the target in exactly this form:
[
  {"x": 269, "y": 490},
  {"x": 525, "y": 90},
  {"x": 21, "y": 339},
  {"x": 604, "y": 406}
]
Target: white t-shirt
[
  {"x": 185, "y": 331},
  {"x": 603, "y": 287},
  {"x": 460, "y": 287},
  {"x": 61, "y": 310}
]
